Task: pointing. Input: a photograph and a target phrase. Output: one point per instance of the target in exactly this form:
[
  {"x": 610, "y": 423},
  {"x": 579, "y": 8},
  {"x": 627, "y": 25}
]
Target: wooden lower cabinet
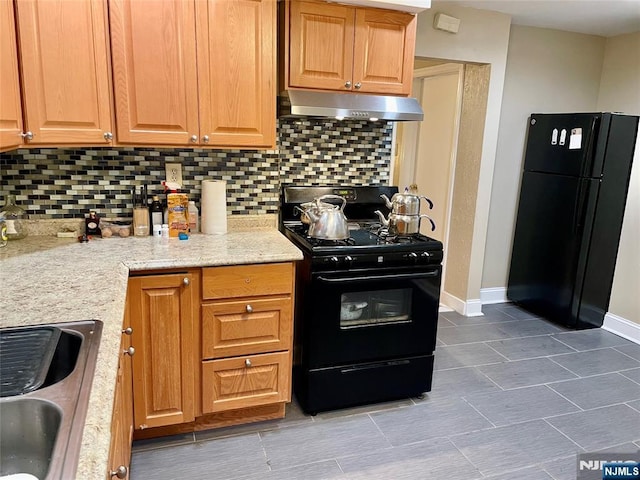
[
  {"x": 162, "y": 318},
  {"x": 122, "y": 420},
  {"x": 213, "y": 347}
]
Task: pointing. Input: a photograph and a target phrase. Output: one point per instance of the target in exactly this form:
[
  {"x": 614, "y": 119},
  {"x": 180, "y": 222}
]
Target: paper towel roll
[{"x": 214, "y": 207}]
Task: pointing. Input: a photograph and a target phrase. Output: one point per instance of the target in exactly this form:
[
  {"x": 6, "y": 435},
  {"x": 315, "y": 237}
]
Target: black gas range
[{"x": 366, "y": 307}]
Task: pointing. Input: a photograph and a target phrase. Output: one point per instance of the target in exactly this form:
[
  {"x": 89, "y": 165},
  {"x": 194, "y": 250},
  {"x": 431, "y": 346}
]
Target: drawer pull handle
[
  {"x": 249, "y": 309},
  {"x": 247, "y": 363},
  {"x": 127, "y": 331},
  {"x": 186, "y": 281},
  {"x": 130, "y": 351},
  {"x": 120, "y": 472}
]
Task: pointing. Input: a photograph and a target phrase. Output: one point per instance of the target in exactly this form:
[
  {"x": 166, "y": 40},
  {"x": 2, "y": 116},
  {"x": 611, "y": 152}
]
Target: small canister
[
  {"x": 3, "y": 232},
  {"x": 157, "y": 231}
]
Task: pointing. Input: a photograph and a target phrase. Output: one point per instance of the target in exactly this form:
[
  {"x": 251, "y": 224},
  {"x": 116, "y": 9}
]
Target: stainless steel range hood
[{"x": 305, "y": 103}]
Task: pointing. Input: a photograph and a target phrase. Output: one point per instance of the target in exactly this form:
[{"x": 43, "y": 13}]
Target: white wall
[
  {"x": 620, "y": 92},
  {"x": 483, "y": 38},
  {"x": 547, "y": 71}
]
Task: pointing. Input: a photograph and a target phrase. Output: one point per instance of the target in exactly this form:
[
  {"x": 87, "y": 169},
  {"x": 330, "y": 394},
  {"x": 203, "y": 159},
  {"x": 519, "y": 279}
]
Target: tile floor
[{"x": 514, "y": 397}]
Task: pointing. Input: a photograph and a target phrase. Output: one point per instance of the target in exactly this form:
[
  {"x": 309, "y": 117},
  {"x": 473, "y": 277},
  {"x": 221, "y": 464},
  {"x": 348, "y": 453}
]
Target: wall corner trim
[
  {"x": 468, "y": 308},
  {"x": 493, "y": 295},
  {"x": 622, "y": 327}
]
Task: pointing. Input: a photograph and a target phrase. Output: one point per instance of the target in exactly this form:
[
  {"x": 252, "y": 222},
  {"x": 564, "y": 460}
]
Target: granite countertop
[{"x": 52, "y": 280}]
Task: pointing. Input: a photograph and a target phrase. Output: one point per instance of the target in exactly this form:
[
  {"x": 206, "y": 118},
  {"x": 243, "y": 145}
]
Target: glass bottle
[
  {"x": 14, "y": 218},
  {"x": 3, "y": 231}
]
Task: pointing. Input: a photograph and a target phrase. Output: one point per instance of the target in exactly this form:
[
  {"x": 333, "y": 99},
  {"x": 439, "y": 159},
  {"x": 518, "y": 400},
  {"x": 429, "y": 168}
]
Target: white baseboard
[
  {"x": 493, "y": 295},
  {"x": 468, "y": 308},
  {"x": 622, "y": 327}
]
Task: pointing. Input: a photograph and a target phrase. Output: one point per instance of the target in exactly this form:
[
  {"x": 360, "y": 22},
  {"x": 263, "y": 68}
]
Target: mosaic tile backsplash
[{"x": 66, "y": 183}]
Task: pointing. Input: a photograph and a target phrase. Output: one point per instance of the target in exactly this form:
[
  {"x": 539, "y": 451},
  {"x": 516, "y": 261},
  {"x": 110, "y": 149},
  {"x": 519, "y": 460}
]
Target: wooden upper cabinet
[
  {"x": 155, "y": 80},
  {"x": 194, "y": 73},
  {"x": 10, "y": 107},
  {"x": 334, "y": 47},
  {"x": 65, "y": 71},
  {"x": 384, "y": 49},
  {"x": 321, "y": 40},
  {"x": 237, "y": 72}
]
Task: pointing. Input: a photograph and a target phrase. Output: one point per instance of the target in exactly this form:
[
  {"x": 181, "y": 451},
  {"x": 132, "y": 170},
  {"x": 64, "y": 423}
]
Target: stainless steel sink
[{"x": 41, "y": 431}]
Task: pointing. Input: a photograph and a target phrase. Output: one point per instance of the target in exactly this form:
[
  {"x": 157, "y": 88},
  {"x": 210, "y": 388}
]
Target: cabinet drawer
[
  {"x": 246, "y": 327},
  {"x": 246, "y": 381},
  {"x": 247, "y": 280}
]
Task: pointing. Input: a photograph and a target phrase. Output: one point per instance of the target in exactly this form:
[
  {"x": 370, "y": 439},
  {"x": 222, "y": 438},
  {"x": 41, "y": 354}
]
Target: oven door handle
[{"x": 371, "y": 278}]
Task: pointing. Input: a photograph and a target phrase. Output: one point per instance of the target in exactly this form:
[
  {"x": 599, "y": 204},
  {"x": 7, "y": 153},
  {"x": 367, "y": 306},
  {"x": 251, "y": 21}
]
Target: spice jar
[{"x": 14, "y": 217}]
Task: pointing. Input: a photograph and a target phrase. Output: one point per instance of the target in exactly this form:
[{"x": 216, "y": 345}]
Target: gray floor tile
[
  {"x": 524, "y": 373},
  {"x": 635, "y": 405},
  {"x": 531, "y": 473},
  {"x": 458, "y": 383},
  {"x": 471, "y": 334},
  {"x": 562, "y": 468},
  {"x": 425, "y": 460},
  {"x": 322, "y": 441},
  {"x": 428, "y": 420},
  {"x": 444, "y": 322},
  {"x": 363, "y": 409},
  {"x": 328, "y": 469},
  {"x": 528, "y": 328},
  {"x": 519, "y": 313},
  {"x": 598, "y": 391},
  {"x": 595, "y": 362},
  {"x": 293, "y": 416},
  {"x": 230, "y": 457},
  {"x": 520, "y": 405},
  {"x": 466, "y": 355},
  {"x": 529, "y": 347},
  {"x": 623, "y": 448},
  {"x": 495, "y": 450},
  {"x": 493, "y": 316},
  {"x": 159, "y": 442},
  {"x": 591, "y": 339},
  {"x": 600, "y": 428},
  {"x": 632, "y": 350}
]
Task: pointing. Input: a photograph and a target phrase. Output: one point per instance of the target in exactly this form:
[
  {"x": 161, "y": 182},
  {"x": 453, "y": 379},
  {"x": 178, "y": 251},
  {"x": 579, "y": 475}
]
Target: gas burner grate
[
  {"x": 383, "y": 233},
  {"x": 319, "y": 242}
]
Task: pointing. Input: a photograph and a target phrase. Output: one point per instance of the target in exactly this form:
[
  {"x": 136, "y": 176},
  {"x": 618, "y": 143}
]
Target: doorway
[{"x": 426, "y": 152}]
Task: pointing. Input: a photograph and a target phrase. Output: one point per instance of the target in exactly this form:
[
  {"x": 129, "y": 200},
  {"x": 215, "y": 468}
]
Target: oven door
[{"x": 367, "y": 315}]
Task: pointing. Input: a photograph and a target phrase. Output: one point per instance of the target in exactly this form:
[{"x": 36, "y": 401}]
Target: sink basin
[
  {"x": 28, "y": 433},
  {"x": 41, "y": 431}
]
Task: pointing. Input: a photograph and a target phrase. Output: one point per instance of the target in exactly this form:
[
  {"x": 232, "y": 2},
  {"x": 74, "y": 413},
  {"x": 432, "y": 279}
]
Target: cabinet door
[
  {"x": 153, "y": 47},
  {"x": 65, "y": 75},
  {"x": 320, "y": 45},
  {"x": 122, "y": 420},
  {"x": 237, "y": 76},
  {"x": 10, "y": 108},
  {"x": 164, "y": 362},
  {"x": 383, "y": 51}
]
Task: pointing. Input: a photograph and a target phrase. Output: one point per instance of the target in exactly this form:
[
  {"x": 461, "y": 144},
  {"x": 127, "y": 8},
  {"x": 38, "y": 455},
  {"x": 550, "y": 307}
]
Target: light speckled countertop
[{"x": 52, "y": 280}]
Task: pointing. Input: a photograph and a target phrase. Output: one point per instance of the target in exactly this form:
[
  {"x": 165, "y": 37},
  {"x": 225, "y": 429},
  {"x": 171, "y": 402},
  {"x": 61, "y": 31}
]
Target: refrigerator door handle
[{"x": 580, "y": 210}]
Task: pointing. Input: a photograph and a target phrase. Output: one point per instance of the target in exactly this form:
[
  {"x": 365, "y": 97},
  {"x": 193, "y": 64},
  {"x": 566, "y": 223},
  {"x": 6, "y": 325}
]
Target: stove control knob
[
  {"x": 425, "y": 256},
  {"x": 348, "y": 260},
  {"x": 413, "y": 257},
  {"x": 334, "y": 260}
]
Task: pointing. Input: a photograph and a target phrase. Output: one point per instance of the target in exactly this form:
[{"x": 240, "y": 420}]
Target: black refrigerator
[{"x": 574, "y": 187}]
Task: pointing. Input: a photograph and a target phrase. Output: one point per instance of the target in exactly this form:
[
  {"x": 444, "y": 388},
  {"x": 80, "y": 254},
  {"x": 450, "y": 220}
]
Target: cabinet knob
[
  {"x": 120, "y": 472},
  {"x": 131, "y": 352},
  {"x": 108, "y": 136},
  {"x": 193, "y": 138},
  {"x": 357, "y": 86},
  {"x": 348, "y": 84},
  {"x": 205, "y": 139},
  {"x": 249, "y": 309},
  {"x": 247, "y": 363},
  {"x": 27, "y": 135},
  {"x": 186, "y": 281},
  {"x": 127, "y": 331}
]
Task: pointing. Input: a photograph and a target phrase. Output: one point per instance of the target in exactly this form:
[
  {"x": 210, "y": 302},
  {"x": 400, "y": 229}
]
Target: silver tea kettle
[
  {"x": 327, "y": 221},
  {"x": 403, "y": 224},
  {"x": 405, "y": 203}
]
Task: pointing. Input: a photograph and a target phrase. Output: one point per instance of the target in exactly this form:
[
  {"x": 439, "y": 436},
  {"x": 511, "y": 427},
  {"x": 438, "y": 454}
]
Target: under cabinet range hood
[{"x": 305, "y": 103}]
